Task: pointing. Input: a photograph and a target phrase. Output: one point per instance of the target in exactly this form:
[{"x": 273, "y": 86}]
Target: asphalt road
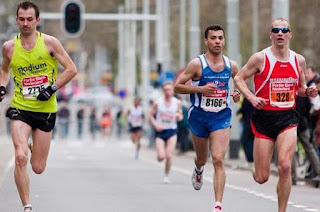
[{"x": 103, "y": 176}]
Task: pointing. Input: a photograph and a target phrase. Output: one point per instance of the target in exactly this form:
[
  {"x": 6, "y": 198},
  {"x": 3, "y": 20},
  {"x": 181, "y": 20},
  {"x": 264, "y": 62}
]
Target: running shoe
[
  {"x": 217, "y": 207},
  {"x": 30, "y": 144},
  {"x": 166, "y": 180},
  {"x": 136, "y": 156},
  {"x": 197, "y": 180},
  {"x": 27, "y": 208}
]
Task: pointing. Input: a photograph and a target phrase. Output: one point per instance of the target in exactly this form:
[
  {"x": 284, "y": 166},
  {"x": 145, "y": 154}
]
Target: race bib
[
  {"x": 31, "y": 86},
  {"x": 214, "y": 102},
  {"x": 136, "y": 121},
  {"x": 167, "y": 120},
  {"x": 282, "y": 94}
]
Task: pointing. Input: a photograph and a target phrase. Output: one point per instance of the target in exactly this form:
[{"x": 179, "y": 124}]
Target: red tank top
[{"x": 278, "y": 82}]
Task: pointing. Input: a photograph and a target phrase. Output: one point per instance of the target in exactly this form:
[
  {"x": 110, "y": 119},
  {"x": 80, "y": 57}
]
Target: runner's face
[
  {"x": 136, "y": 102},
  {"x": 168, "y": 90},
  {"x": 27, "y": 21},
  {"x": 215, "y": 41},
  {"x": 280, "y": 38}
]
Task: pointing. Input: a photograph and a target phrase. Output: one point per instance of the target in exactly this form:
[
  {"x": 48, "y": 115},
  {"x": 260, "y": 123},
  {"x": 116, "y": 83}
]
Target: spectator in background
[
  {"x": 303, "y": 108},
  {"x": 120, "y": 122},
  {"x": 106, "y": 121},
  {"x": 93, "y": 125},
  {"x": 151, "y": 131},
  {"x": 183, "y": 135},
  {"x": 311, "y": 78},
  {"x": 311, "y": 74},
  {"x": 80, "y": 118},
  {"x": 315, "y": 117},
  {"x": 246, "y": 138},
  {"x": 63, "y": 115}
]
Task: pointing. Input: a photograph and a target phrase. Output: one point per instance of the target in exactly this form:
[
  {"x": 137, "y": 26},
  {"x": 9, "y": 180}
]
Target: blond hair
[{"x": 280, "y": 19}]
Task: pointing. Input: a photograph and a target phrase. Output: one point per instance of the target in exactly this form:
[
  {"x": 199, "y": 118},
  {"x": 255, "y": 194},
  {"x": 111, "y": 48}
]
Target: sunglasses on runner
[{"x": 284, "y": 30}]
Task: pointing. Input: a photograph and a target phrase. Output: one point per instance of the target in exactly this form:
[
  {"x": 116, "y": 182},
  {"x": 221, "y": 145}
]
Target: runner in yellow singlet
[{"x": 33, "y": 58}]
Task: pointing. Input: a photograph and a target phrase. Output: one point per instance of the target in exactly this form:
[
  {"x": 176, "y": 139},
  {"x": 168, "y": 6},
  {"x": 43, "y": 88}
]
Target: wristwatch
[{"x": 54, "y": 87}]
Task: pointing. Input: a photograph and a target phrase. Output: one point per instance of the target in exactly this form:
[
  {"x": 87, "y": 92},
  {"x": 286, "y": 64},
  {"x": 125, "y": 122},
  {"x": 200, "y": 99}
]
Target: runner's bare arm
[
  {"x": 70, "y": 70},
  {"x": 247, "y": 71},
  {"x": 191, "y": 72},
  {"x": 254, "y": 65},
  {"x": 4, "y": 70},
  {"x": 179, "y": 113},
  {"x": 303, "y": 90},
  {"x": 234, "y": 70},
  {"x": 153, "y": 112}
]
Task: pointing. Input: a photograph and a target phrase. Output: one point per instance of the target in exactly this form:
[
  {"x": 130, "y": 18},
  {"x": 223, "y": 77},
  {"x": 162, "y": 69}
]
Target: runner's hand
[
  {"x": 45, "y": 94},
  {"x": 236, "y": 96},
  {"x": 208, "y": 89},
  {"x": 258, "y": 102},
  {"x": 312, "y": 91},
  {"x": 159, "y": 128},
  {"x": 2, "y": 92}
]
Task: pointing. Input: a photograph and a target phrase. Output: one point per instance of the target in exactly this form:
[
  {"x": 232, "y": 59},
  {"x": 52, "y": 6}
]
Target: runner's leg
[
  {"x": 20, "y": 132},
  {"x": 138, "y": 135},
  {"x": 201, "y": 149},
  {"x": 262, "y": 155},
  {"x": 286, "y": 143},
  {"x": 219, "y": 142},
  {"x": 160, "y": 147},
  {"x": 41, "y": 146},
  {"x": 170, "y": 147}
]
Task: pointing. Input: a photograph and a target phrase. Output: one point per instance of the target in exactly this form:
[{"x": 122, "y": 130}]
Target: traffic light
[{"x": 72, "y": 21}]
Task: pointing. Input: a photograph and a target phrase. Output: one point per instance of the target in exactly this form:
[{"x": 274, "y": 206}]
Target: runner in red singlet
[{"x": 278, "y": 77}]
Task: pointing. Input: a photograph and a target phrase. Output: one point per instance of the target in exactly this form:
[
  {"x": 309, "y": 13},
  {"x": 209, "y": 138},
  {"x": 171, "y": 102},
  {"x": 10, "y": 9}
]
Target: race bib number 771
[{"x": 31, "y": 86}]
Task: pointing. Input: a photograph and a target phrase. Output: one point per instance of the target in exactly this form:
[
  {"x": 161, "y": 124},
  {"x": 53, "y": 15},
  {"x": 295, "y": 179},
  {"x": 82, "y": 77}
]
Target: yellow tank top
[{"x": 31, "y": 71}]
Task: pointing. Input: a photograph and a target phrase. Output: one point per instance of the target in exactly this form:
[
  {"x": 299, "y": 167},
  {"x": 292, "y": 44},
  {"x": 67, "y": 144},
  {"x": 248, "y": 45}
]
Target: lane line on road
[{"x": 238, "y": 188}]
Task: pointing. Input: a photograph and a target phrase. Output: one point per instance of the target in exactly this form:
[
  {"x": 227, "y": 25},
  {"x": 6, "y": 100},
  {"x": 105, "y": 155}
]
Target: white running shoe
[
  {"x": 217, "y": 207},
  {"x": 136, "y": 156},
  {"x": 27, "y": 208},
  {"x": 166, "y": 180},
  {"x": 197, "y": 180}
]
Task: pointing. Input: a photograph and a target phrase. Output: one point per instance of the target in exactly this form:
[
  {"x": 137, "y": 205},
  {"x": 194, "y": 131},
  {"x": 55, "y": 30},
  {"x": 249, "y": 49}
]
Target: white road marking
[{"x": 234, "y": 187}]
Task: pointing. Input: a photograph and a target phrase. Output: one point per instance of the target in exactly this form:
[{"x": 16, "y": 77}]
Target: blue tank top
[{"x": 219, "y": 100}]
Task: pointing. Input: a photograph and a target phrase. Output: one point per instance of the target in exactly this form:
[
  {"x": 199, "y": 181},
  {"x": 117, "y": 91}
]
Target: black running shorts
[
  {"x": 269, "y": 124},
  {"x": 42, "y": 121}
]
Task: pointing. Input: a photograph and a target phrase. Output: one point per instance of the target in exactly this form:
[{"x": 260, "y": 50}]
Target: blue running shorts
[
  {"x": 166, "y": 134},
  {"x": 202, "y": 123}
]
